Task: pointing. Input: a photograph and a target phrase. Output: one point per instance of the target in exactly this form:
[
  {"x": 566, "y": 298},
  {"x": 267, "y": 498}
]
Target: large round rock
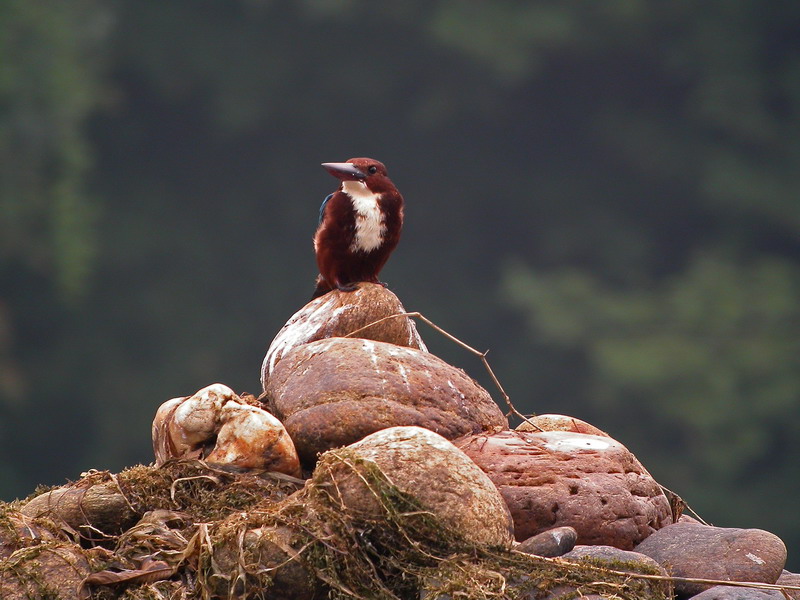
[
  {"x": 341, "y": 314},
  {"x": 559, "y": 423},
  {"x": 558, "y": 478},
  {"x": 331, "y": 393},
  {"x": 728, "y": 554},
  {"x": 431, "y": 470}
]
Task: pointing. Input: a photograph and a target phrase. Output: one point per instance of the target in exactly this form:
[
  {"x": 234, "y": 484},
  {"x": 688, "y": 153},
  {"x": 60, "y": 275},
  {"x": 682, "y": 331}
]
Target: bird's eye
[{"x": 372, "y": 170}]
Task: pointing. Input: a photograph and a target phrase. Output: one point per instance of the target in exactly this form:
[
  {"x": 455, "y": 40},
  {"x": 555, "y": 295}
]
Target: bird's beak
[{"x": 344, "y": 171}]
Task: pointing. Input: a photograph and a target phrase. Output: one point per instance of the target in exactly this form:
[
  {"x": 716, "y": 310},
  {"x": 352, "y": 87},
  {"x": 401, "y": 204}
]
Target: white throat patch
[{"x": 370, "y": 226}]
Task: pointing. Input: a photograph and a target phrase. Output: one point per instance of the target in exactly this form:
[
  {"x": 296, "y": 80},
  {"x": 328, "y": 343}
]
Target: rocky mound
[{"x": 414, "y": 487}]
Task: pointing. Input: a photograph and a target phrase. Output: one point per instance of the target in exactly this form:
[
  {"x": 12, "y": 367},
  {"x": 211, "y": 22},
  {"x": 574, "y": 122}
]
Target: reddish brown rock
[
  {"x": 18, "y": 530},
  {"x": 729, "y": 592},
  {"x": 687, "y": 519},
  {"x": 792, "y": 579},
  {"x": 588, "y": 482},
  {"x": 634, "y": 562},
  {"x": 331, "y": 393},
  {"x": 47, "y": 570},
  {"x": 339, "y": 314},
  {"x": 553, "y": 542},
  {"x": 430, "y": 469},
  {"x": 276, "y": 551},
  {"x": 559, "y": 423},
  {"x": 705, "y": 552},
  {"x": 614, "y": 559}
]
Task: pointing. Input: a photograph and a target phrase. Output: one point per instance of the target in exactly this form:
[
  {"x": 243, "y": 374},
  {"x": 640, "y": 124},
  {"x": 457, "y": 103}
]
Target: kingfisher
[{"x": 359, "y": 225}]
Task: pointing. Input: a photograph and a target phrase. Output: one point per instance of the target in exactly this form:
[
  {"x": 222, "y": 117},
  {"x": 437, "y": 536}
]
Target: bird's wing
[{"x": 322, "y": 207}]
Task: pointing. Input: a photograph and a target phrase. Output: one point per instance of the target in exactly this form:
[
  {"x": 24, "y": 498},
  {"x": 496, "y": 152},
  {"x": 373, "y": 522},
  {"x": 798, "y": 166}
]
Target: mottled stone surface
[
  {"x": 558, "y": 478},
  {"x": 553, "y": 542},
  {"x": 434, "y": 472},
  {"x": 606, "y": 557},
  {"x": 726, "y": 554},
  {"x": 635, "y": 562},
  {"x": 792, "y": 579},
  {"x": 339, "y": 314},
  {"x": 687, "y": 519},
  {"x": 552, "y": 422},
  {"x": 333, "y": 392},
  {"x": 17, "y": 531},
  {"x": 277, "y": 549},
  {"x": 729, "y": 592},
  {"x": 57, "y": 571},
  {"x": 219, "y": 426}
]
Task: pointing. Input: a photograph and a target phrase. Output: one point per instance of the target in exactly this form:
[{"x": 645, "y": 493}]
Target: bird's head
[{"x": 367, "y": 171}]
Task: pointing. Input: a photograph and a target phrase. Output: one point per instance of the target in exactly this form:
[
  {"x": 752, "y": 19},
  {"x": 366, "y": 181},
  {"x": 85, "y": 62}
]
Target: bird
[{"x": 359, "y": 225}]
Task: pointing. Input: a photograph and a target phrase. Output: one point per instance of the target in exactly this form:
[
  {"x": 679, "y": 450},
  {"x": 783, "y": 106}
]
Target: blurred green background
[{"x": 605, "y": 194}]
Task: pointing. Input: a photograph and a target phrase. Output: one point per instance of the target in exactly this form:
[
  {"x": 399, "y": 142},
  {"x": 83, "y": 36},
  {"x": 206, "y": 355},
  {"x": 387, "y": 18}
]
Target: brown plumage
[{"x": 360, "y": 225}]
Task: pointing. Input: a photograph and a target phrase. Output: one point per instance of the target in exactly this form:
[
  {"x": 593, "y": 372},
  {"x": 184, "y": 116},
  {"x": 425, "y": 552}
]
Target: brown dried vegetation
[{"x": 201, "y": 532}]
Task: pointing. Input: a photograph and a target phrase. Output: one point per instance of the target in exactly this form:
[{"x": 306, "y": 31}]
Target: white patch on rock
[
  {"x": 400, "y": 437},
  {"x": 370, "y": 225},
  {"x": 756, "y": 559},
  {"x": 369, "y": 347},
  {"x": 404, "y": 374},
  {"x": 292, "y": 334},
  {"x": 216, "y": 389},
  {"x": 251, "y": 420},
  {"x": 572, "y": 442},
  {"x": 414, "y": 337},
  {"x": 400, "y": 350},
  {"x": 456, "y": 391},
  {"x": 321, "y": 346}
]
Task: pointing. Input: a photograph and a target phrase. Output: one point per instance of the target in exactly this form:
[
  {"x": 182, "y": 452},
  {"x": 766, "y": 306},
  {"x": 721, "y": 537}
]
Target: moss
[
  {"x": 162, "y": 590},
  {"x": 389, "y": 553},
  {"x": 26, "y": 576},
  {"x": 202, "y": 491},
  {"x": 627, "y": 566},
  {"x": 399, "y": 550}
]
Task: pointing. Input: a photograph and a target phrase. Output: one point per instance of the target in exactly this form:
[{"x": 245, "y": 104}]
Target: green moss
[
  {"x": 400, "y": 549},
  {"x": 202, "y": 491},
  {"x": 389, "y": 552}
]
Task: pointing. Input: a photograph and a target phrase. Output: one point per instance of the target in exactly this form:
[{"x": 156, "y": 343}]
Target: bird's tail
[{"x": 323, "y": 287}]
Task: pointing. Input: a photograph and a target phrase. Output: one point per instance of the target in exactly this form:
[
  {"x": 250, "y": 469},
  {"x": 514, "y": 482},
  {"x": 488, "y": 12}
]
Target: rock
[
  {"x": 688, "y": 519},
  {"x": 550, "y": 543},
  {"x": 331, "y": 393},
  {"x": 559, "y": 423},
  {"x": 218, "y": 425},
  {"x": 274, "y": 549},
  {"x": 436, "y": 474},
  {"x": 729, "y": 592},
  {"x": 56, "y": 570},
  {"x": 567, "y": 592},
  {"x": 626, "y": 561},
  {"x": 18, "y": 530},
  {"x": 705, "y": 552},
  {"x": 338, "y": 314},
  {"x": 558, "y": 478},
  {"x": 611, "y": 558},
  {"x": 792, "y": 579}
]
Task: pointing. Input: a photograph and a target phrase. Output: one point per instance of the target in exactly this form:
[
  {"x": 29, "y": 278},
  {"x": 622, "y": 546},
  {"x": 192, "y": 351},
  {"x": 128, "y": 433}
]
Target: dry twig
[{"x": 482, "y": 355}]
